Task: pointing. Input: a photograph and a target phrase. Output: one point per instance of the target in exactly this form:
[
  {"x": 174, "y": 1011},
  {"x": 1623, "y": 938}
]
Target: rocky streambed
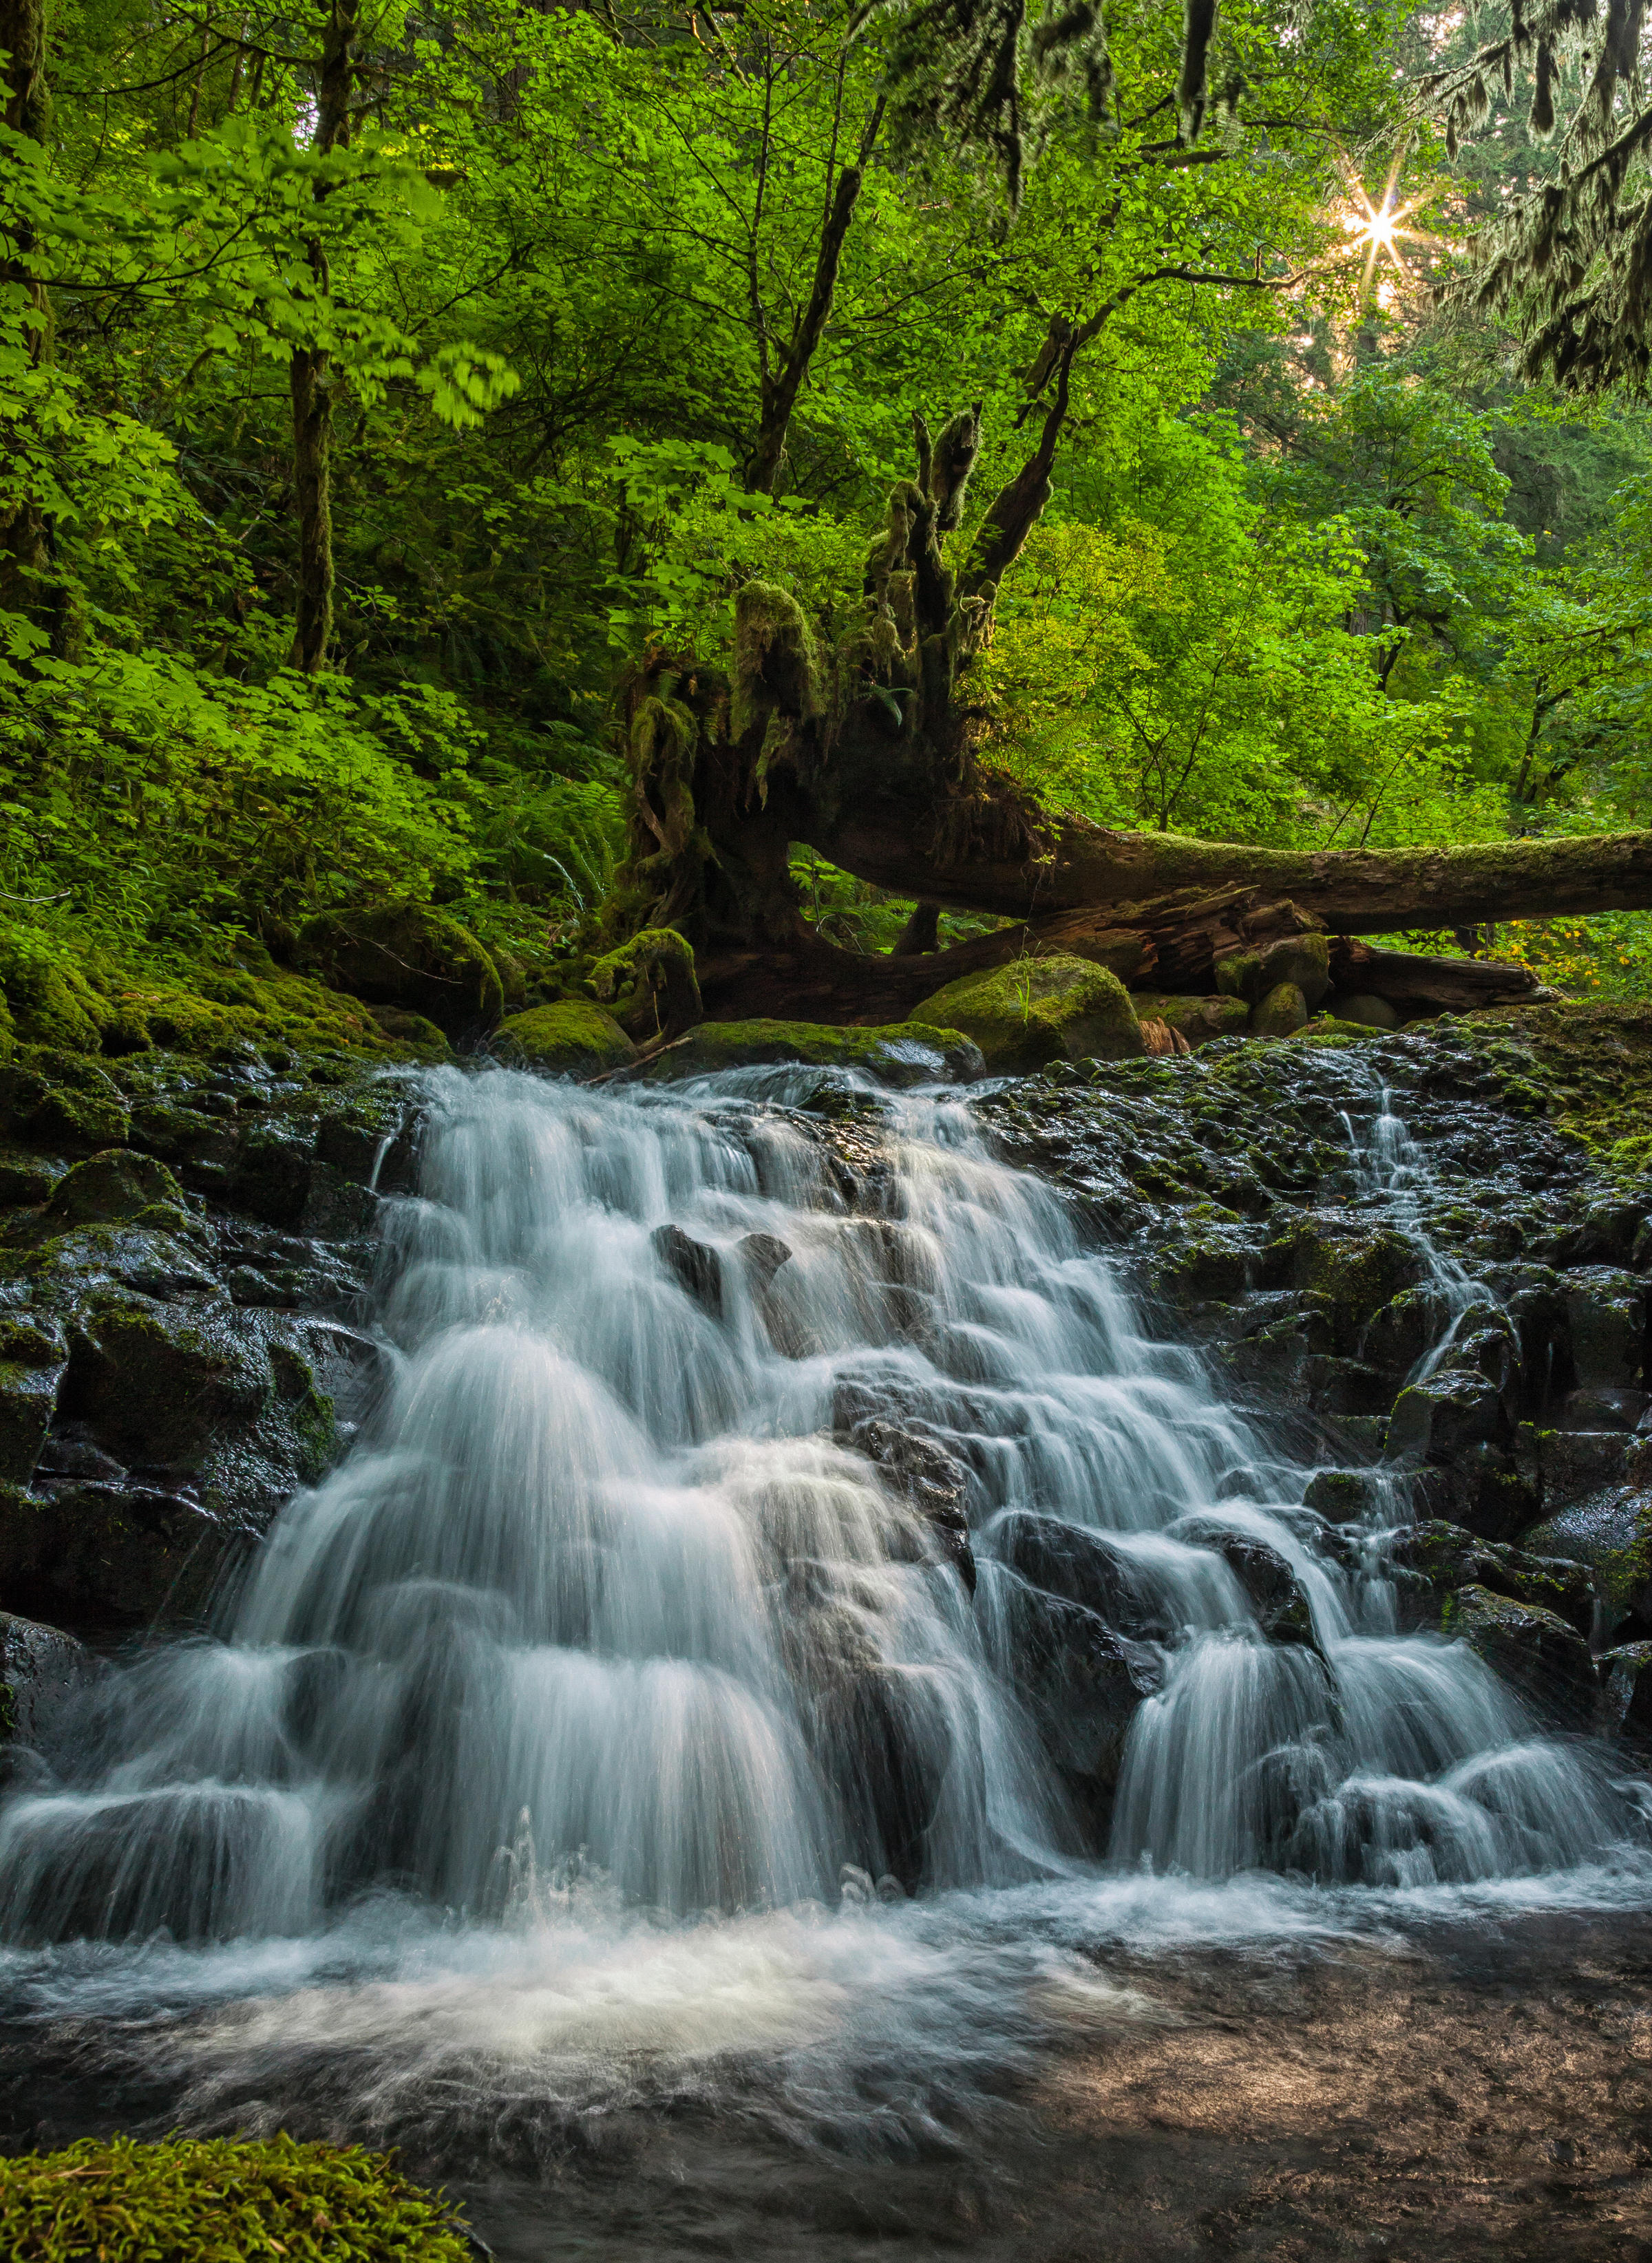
[{"x": 1451, "y": 1327}]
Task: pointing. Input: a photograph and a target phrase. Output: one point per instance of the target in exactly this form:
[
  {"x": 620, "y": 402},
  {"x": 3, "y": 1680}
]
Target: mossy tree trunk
[{"x": 313, "y": 378}]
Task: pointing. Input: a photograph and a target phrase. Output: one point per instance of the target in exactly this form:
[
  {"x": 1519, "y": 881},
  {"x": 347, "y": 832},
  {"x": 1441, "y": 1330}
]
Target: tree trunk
[{"x": 313, "y": 379}]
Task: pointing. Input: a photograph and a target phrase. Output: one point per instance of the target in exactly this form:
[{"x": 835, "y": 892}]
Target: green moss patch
[
  {"x": 573, "y": 1038},
  {"x": 1036, "y": 1010},
  {"x": 220, "y": 2201}
]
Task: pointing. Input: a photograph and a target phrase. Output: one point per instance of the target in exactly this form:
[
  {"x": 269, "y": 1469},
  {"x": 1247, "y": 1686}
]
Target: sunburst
[{"x": 1379, "y": 226}]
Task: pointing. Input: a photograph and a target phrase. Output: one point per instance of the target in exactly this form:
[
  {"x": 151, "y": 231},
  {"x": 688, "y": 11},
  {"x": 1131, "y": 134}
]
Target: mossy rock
[
  {"x": 115, "y": 1184},
  {"x": 1359, "y": 1269},
  {"x": 1199, "y": 1020},
  {"x": 573, "y": 1038},
  {"x": 1449, "y": 1557},
  {"x": 219, "y": 2200},
  {"x": 1035, "y": 1011},
  {"x": 1611, "y": 1532},
  {"x": 1281, "y": 1012},
  {"x": 406, "y": 955},
  {"x": 158, "y": 1384},
  {"x": 900, "y": 1053},
  {"x": 1546, "y": 1662}
]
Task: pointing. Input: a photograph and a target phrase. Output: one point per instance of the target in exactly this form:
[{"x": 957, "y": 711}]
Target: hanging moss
[
  {"x": 220, "y": 2201},
  {"x": 661, "y": 962},
  {"x": 776, "y": 669}
]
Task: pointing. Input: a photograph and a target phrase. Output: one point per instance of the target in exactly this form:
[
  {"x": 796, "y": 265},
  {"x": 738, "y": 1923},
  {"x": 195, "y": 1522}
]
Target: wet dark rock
[
  {"x": 762, "y": 1254},
  {"x": 111, "y": 1186},
  {"x": 1436, "y": 1418},
  {"x": 1535, "y": 1650},
  {"x": 695, "y": 1266},
  {"x": 1082, "y": 1685},
  {"x": 920, "y": 1469},
  {"x": 1062, "y": 1559},
  {"x": 1447, "y": 1558},
  {"x": 1626, "y": 1677},
  {"x": 1350, "y": 1496},
  {"x": 40, "y": 1669},
  {"x": 34, "y": 1354},
  {"x": 1575, "y": 1464},
  {"x": 1611, "y": 1532},
  {"x": 1607, "y": 1319}
]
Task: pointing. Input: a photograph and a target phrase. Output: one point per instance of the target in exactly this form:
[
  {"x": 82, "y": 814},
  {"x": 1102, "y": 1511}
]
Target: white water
[{"x": 601, "y": 1704}]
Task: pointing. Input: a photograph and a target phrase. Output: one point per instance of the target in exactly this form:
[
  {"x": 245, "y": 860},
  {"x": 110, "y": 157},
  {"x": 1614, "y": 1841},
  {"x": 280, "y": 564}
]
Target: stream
[{"x": 617, "y": 1784}]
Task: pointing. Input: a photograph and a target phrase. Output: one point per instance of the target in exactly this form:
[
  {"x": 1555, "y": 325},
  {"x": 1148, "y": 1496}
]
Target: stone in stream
[
  {"x": 1534, "y": 1650},
  {"x": 1447, "y": 1558},
  {"x": 40, "y": 1669},
  {"x": 1626, "y": 1676},
  {"x": 1062, "y": 1559},
  {"x": 1035, "y": 1010},
  {"x": 573, "y": 1037},
  {"x": 920, "y": 1469}
]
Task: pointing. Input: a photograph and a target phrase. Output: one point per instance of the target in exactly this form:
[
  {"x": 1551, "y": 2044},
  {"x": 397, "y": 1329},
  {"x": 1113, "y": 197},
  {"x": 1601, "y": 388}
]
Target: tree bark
[{"x": 313, "y": 379}]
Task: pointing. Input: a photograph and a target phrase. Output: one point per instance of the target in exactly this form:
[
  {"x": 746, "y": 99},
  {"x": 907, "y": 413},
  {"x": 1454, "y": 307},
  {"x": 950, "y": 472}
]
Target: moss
[
  {"x": 115, "y": 1184},
  {"x": 408, "y": 955},
  {"x": 1035, "y": 1010},
  {"x": 573, "y": 1038},
  {"x": 1281, "y": 1012},
  {"x": 661, "y": 962},
  {"x": 775, "y": 670},
  {"x": 1330, "y": 1029},
  {"x": 902, "y": 1052},
  {"x": 220, "y": 2201}
]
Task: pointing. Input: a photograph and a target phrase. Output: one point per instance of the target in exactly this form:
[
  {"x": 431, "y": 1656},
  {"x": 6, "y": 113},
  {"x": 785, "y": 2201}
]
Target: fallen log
[{"x": 1173, "y": 946}]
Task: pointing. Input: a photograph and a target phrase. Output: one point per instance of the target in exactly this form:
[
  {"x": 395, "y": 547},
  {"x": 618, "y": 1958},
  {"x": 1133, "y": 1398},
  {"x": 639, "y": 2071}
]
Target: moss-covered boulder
[
  {"x": 898, "y": 1053},
  {"x": 1327, "y": 1029},
  {"x": 114, "y": 1184},
  {"x": 1280, "y": 1012},
  {"x": 1535, "y": 1650},
  {"x": 1299, "y": 961},
  {"x": 61, "y": 1102},
  {"x": 219, "y": 2200},
  {"x": 1035, "y": 1010},
  {"x": 573, "y": 1038},
  {"x": 406, "y": 955}
]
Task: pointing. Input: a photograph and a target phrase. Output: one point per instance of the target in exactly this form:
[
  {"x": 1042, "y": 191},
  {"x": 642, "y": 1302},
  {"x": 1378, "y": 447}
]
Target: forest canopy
[{"x": 385, "y": 391}]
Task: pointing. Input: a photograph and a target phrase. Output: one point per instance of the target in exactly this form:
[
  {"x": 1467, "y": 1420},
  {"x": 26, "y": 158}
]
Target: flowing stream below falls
[{"x": 609, "y": 1727}]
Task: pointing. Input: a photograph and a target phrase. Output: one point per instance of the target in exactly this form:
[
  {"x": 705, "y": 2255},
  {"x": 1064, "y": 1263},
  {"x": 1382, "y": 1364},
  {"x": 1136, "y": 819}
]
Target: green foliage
[{"x": 219, "y": 2200}]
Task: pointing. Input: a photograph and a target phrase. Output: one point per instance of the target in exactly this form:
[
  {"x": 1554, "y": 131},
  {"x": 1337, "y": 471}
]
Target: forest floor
[{"x": 1466, "y": 2092}]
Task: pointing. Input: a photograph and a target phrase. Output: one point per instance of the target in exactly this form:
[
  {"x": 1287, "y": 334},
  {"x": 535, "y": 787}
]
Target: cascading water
[{"x": 602, "y": 1611}]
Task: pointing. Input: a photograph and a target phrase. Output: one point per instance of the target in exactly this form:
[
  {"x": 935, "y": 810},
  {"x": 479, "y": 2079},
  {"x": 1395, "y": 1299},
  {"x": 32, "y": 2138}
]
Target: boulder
[
  {"x": 34, "y": 1353},
  {"x": 1534, "y": 1650},
  {"x": 1035, "y": 1010},
  {"x": 924, "y": 1473},
  {"x": 695, "y": 1266},
  {"x": 1367, "y": 1010},
  {"x": 1355, "y": 1268},
  {"x": 408, "y": 955},
  {"x": 1301, "y": 960},
  {"x": 1447, "y": 1558},
  {"x": 1279, "y": 1012},
  {"x": 573, "y": 1038},
  {"x": 1606, "y": 1325},
  {"x": 108, "y": 1187},
  {"x": 1064, "y": 1560},
  {"x": 1612, "y": 1533},
  {"x": 41, "y": 1668},
  {"x": 1626, "y": 1676},
  {"x": 915, "y": 1051},
  {"x": 1082, "y": 1686},
  {"x": 1438, "y": 1418}
]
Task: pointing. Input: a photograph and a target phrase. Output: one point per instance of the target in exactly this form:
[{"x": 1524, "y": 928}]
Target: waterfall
[{"x": 613, "y": 1588}]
